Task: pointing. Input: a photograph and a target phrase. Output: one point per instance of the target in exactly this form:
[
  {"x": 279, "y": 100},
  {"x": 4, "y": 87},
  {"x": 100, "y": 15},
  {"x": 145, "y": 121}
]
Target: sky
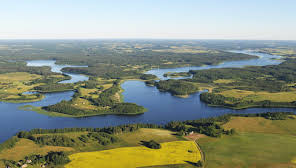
[{"x": 151, "y": 19}]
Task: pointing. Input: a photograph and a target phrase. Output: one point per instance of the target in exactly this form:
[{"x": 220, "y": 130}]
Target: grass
[
  {"x": 44, "y": 112},
  {"x": 249, "y": 150},
  {"x": 262, "y": 125},
  {"x": 26, "y": 147},
  {"x": 258, "y": 143},
  {"x": 146, "y": 134},
  {"x": 260, "y": 96},
  {"x": 186, "y": 165},
  {"x": 18, "y": 76},
  {"x": 170, "y": 153}
]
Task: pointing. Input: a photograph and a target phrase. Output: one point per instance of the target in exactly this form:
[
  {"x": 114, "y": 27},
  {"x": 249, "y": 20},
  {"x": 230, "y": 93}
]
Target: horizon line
[{"x": 168, "y": 39}]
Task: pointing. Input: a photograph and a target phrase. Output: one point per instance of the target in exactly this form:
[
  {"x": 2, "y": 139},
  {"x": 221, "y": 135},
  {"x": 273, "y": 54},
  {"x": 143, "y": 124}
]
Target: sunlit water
[{"x": 162, "y": 107}]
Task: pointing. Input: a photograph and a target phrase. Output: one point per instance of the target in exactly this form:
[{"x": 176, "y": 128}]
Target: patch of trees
[
  {"x": 150, "y": 83},
  {"x": 55, "y": 140},
  {"x": 177, "y": 74},
  {"x": 54, "y": 87},
  {"x": 127, "y": 108},
  {"x": 101, "y": 137},
  {"x": 148, "y": 77},
  {"x": 176, "y": 87},
  {"x": 91, "y": 84},
  {"x": 210, "y": 126},
  {"x": 151, "y": 144},
  {"x": 51, "y": 159},
  {"x": 66, "y": 107}
]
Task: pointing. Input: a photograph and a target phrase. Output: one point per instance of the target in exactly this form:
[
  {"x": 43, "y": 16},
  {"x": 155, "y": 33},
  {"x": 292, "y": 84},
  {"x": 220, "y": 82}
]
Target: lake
[{"x": 162, "y": 107}]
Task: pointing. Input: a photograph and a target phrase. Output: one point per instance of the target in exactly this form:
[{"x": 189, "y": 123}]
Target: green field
[{"x": 258, "y": 143}]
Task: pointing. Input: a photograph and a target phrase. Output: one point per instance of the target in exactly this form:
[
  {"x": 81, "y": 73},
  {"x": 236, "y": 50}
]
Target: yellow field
[
  {"x": 260, "y": 96},
  {"x": 224, "y": 81},
  {"x": 176, "y": 152}
]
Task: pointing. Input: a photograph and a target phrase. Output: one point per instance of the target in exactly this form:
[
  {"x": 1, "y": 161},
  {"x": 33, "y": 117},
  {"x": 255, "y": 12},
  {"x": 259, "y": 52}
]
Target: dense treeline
[
  {"x": 54, "y": 87},
  {"x": 269, "y": 115},
  {"x": 110, "y": 130},
  {"x": 176, "y": 87}
]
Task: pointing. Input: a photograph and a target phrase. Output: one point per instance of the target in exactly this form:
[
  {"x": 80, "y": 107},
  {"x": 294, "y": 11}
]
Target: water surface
[{"x": 162, "y": 107}]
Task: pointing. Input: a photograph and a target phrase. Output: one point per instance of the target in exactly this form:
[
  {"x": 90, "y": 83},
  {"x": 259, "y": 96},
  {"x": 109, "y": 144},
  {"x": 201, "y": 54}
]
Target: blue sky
[{"x": 160, "y": 19}]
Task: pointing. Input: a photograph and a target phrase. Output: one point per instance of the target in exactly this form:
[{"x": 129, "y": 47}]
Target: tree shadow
[
  {"x": 144, "y": 143},
  {"x": 192, "y": 163}
]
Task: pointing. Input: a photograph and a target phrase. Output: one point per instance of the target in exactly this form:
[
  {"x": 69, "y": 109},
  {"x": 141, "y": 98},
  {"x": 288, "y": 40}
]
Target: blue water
[
  {"x": 57, "y": 68},
  {"x": 162, "y": 107}
]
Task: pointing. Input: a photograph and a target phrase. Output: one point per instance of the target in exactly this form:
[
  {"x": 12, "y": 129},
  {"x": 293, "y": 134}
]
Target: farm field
[
  {"x": 258, "y": 143},
  {"x": 177, "y": 152},
  {"x": 26, "y": 147},
  {"x": 260, "y": 96}
]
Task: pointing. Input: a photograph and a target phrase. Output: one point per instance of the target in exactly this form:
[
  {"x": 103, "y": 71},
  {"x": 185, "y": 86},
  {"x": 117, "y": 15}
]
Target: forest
[{"x": 176, "y": 87}]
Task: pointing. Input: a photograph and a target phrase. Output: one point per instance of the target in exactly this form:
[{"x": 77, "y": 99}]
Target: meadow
[{"x": 258, "y": 142}]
